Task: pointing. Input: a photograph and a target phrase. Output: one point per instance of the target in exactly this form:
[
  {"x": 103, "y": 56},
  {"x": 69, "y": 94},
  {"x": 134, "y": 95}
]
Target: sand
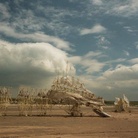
[{"x": 57, "y": 124}]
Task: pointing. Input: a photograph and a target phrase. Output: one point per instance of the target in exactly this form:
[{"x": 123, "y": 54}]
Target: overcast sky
[{"x": 99, "y": 39}]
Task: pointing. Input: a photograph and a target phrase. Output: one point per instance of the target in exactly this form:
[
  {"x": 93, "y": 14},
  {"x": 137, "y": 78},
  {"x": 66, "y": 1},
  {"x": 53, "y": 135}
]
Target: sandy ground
[{"x": 57, "y": 124}]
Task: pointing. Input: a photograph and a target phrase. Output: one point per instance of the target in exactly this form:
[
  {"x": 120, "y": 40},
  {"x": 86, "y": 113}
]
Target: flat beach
[{"x": 58, "y": 124}]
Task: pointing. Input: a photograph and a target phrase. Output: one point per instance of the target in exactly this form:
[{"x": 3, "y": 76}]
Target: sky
[{"x": 96, "y": 39}]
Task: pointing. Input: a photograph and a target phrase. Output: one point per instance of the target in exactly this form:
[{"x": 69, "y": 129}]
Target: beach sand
[{"x": 58, "y": 124}]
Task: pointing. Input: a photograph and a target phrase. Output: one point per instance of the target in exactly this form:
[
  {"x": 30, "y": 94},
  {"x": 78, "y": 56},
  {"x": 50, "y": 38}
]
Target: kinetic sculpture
[
  {"x": 121, "y": 104},
  {"x": 43, "y": 103},
  {"x": 68, "y": 90},
  {"x": 4, "y": 100},
  {"x": 29, "y": 98},
  {"x": 25, "y": 102},
  {"x": 65, "y": 90}
]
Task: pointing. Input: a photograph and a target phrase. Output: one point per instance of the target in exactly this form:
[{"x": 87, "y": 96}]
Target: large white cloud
[
  {"x": 32, "y": 64},
  {"x": 122, "y": 72},
  {"x": 115, "y": 82}
]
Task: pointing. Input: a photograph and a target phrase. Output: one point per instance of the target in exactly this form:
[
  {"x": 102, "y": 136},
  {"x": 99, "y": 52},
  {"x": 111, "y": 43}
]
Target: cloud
[
  {"x": 75, "y": 59},
  {"x": 119, "y": 60},
  {"x": 92, "y": 66},
  {"x": 34, "y": 37},
  {"x": 126, "y": 53},
  {"x": 122, "y": 79},
  {"x": 97, "y": 54},
  {"x": 136, "y": 44},
  {"x": 122, "y": 72},
  {"x": 4, "y": 12},
  {"x": 88, "y": 62},
  {"x": 38, "y": 16},
  {"x": 121, "y": 8},
  {"x": 97, "y": 2},
  {"x": 134, "y": 61},
  {"x": 23, "y": 19},
  {"x": 94, "y": 30},
  {"x": 45, "y": 17},
  {"x": 114, "y": 82},
  {"x": 129, "y": 29},
  {"x": 126, "y": 8},
  {"x": 30, "y": 64},
  {"x": 102, "y": 42}
]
